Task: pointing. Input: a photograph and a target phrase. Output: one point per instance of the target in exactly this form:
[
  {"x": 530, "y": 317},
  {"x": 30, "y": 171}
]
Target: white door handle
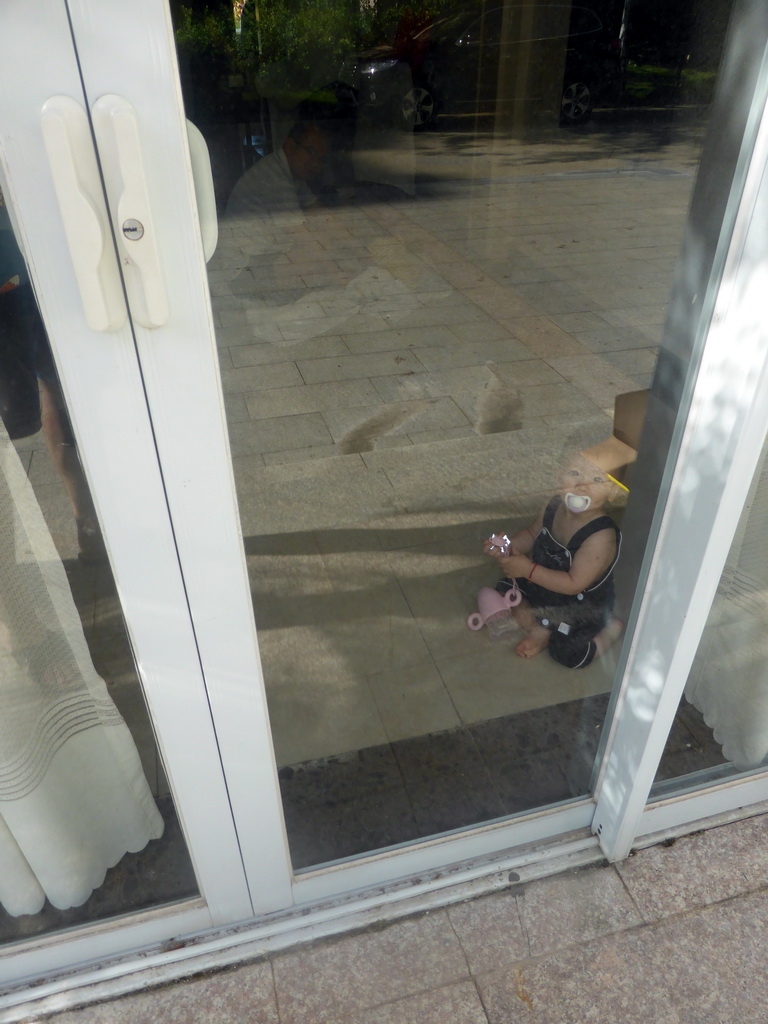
[
  {"x": 117, "y": 135},
  {"x": 204, "y": 190},
  {"x": 76, "y": 181}
]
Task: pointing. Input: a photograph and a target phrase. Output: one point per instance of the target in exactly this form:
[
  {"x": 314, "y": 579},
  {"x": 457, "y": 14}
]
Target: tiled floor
[{"x": 676, "y": 934}]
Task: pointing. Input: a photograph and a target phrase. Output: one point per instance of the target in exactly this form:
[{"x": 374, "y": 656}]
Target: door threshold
[{"x": 225, "y": 947}]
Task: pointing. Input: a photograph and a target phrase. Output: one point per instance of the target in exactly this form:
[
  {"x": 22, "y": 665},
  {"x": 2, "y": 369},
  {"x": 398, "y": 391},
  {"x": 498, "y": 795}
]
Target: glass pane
[
  {"x": 87, "y": 824},
  {"x": 721, "y": 730},
  {"x": 447, "y": 236}
]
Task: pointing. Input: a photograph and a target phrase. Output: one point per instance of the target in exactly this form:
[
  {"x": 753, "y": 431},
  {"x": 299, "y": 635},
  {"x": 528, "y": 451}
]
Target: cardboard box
[{"x": 617, "y": 454}]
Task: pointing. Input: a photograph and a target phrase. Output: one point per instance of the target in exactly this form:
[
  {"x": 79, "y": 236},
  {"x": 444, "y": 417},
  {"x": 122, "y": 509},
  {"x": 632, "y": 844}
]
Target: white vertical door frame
[
  {"x": 128, "y": 50},
  {"x": 106, "y": 401},
  {"x": 718, "y": 322}
]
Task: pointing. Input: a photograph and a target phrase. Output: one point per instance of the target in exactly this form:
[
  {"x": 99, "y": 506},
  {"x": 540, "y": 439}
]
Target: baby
[{"x": 562, "y": 564}]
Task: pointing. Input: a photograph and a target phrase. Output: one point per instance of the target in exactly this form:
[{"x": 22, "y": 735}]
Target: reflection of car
[{"x": 454, "y": 64}]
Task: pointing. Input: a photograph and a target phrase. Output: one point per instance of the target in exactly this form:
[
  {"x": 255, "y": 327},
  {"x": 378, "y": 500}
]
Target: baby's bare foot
[
  {"x": 610, "y": 632},
  {"x": 533, "y": 643}
]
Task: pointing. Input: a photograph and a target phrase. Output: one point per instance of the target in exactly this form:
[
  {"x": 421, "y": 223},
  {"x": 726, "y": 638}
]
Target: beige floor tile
[
  {"x": 433, "y": 385},
  {"x": 296, "y": 455},
  {"x": 337, "y": 492},
  {"x": 317, "y": 706},
  {"x": 574, "y": 908},
  {"x": 509, "y": 406},
  {"x": 41, "y": 471},
  {"x": 712, "y": 963},
  {"x": 503, "y": 302},
  {"x": 542, "y": 337},
  {"x": 634, "y": 362},
  {"x": 277, "y": 350},
  {"x": 450, "y": 314},
  {"x": 452, "y": 1004},
  {"x": 413, "y": 701},
  {"x": 379, "y": 364},
  {"x": 480, "y": 331},
  {"x": 236, "y": 409},
  {"x": 308, "y": 398},
  {"x": 357, "y": 429},
  {"x": 356, "y": 973},
  {"x": 447, "y": 434},
  {"x": 613, "y": 339},
  {"x": 398, "y": 337},
  {"x": 490, "y": 931},
  {"x": 470, "y": 352},
  {"x": 473, "y": 472},
  {"x": 575, "y": 322},
  {"x": 604, "y": 982},
  {"x": 278, "y": 434},
  {"x": 595, "y": 377},
  {"x": 258, "y": 378},
  {"x": 696, "y": 871},
  {"x": 298, "y": 331},
  {"x": 492, "y": 681},
  {"x": 635, "y": 316}
]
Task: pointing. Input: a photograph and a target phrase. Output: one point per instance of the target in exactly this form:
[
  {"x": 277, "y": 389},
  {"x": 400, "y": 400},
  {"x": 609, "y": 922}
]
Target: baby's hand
[{"x": 515, "y": 564}]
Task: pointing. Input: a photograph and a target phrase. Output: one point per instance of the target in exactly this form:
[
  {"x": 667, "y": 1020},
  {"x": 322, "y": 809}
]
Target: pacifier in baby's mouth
[{"x": 577, "y": 502}]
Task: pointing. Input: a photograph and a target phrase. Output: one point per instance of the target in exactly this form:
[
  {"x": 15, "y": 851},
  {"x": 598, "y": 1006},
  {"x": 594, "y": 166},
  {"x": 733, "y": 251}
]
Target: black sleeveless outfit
[{"x": 573, "y": 619}]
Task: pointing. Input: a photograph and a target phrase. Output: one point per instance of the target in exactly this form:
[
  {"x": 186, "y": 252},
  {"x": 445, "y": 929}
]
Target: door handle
[
  {"x": 205, "y": 194},
  {"x": 77, "y": 184},
  {"x": 117, "y": 135}
]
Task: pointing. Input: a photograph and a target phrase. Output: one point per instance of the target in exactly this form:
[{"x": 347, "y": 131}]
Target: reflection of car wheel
[
  {"x": 418, "y": 108},
  {"x": 577, "y": 102}
]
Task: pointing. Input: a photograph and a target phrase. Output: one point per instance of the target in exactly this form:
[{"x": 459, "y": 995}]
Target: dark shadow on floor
[{"x": 366, "y": 800}]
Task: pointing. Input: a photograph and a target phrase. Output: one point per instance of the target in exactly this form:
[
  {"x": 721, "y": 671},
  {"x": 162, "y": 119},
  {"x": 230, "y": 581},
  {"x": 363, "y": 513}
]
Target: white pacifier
[{"x": 577, "y": 502}]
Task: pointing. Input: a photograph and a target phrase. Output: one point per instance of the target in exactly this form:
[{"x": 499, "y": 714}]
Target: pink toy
[{"x": 490, "y": 603}]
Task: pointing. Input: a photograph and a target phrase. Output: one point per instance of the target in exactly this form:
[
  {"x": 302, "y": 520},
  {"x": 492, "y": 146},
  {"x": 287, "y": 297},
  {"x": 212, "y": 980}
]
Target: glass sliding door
[
  {"x": 445, "y": 249},
  {"x": 419, "y": 320},
  {"x": 727, "y": 683}
]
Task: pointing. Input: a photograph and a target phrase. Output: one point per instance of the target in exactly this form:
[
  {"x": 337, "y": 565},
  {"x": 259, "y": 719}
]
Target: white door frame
[
  {"x": 717, "y": 417},
  {"x": 105, "y": 395}
]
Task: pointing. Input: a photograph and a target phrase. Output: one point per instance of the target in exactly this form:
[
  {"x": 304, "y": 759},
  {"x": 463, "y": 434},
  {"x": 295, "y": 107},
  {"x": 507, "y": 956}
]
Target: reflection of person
[
  {"x": 280, "y": 181},
  {"x": 563, "y": 563}
]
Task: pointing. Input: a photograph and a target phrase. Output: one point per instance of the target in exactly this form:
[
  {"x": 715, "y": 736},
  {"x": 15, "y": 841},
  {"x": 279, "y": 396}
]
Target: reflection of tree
[
  {"x": 299, "y": 36},
  {"x": 227, "y": 45},
  {"x": 675, "y": 33}
]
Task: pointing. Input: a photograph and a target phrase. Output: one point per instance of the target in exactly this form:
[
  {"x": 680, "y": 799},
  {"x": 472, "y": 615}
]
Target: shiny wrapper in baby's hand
[{"x": 499, "y": 545}]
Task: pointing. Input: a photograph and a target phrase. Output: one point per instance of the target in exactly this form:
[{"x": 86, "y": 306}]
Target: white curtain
[
  {"x": 73, "y": 796},
  {"x": 729, "y": 678}
]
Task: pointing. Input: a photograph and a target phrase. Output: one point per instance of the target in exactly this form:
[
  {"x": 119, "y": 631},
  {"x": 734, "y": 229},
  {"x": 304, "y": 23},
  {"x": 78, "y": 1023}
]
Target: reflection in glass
[
  {"x": 73, "y": 797},
  {"x": 76, "y": 793},
  {"x": 446, "y": 245},
  {"x": 728, "y": 681}
]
